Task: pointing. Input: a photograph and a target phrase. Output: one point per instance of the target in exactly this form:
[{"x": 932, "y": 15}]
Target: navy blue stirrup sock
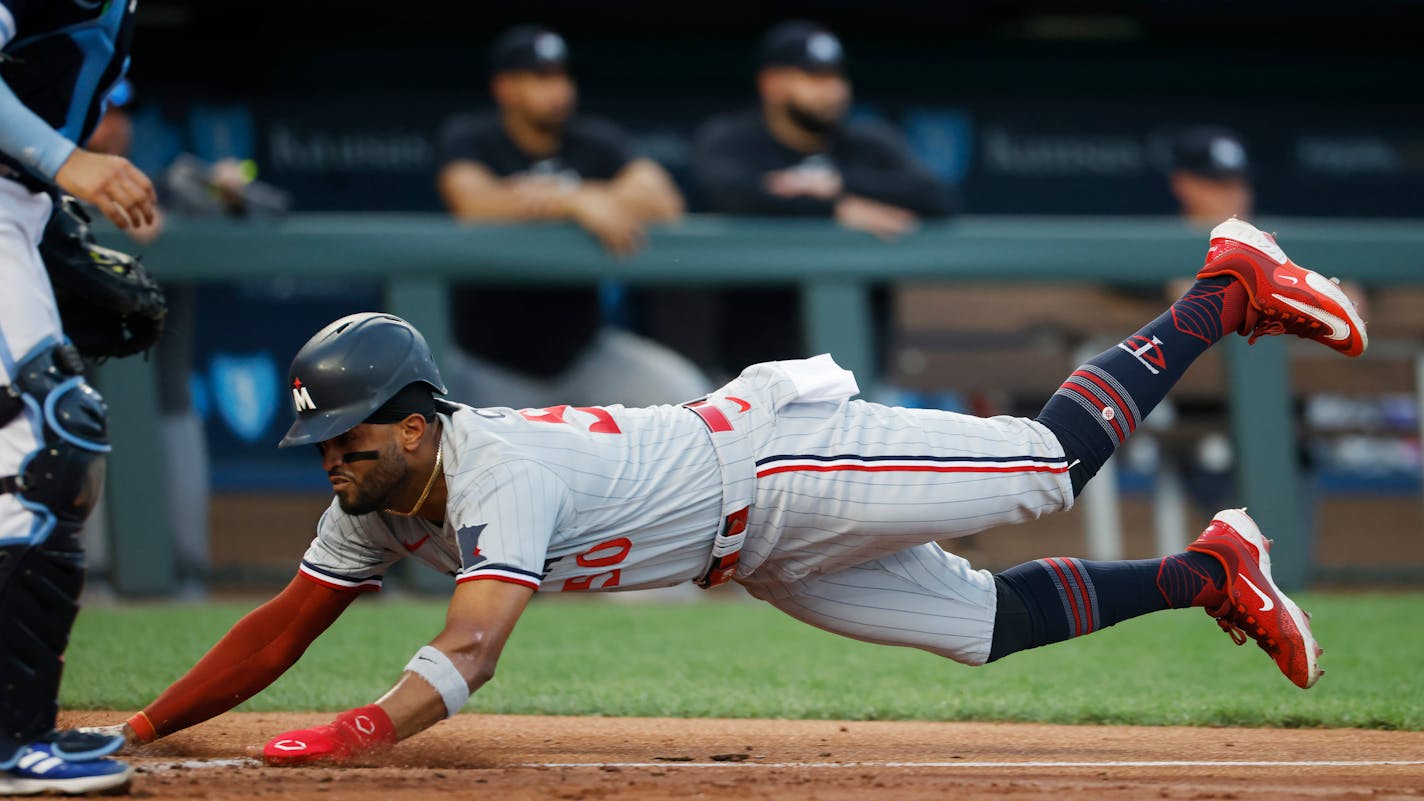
[
  {"x": 1051, "y": 600},
  {"x": 1104, "y": 401}
]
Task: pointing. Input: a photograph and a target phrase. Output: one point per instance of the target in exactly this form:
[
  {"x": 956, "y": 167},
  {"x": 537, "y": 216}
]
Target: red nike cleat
[
  {"x": 1251, "y": 605},
  {"x": 1285, "y": 297}
]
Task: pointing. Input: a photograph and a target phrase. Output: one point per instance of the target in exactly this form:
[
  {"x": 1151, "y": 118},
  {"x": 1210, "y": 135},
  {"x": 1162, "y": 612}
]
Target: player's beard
[
  {"x": 548, "y": 124},
  {"x": 550, "y": 121},
  {"x": 373, "y": 492},
  {"x": 817, "y": 123}
]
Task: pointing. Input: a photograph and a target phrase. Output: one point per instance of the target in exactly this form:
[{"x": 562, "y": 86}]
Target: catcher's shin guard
[
  {"x": 42, "y": 570},
  {"x": 39, "y": 597}
]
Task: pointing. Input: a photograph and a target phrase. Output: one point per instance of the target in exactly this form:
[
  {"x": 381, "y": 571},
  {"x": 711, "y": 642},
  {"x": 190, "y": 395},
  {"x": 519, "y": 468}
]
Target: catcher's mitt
[{"x": 108, "y": 303}]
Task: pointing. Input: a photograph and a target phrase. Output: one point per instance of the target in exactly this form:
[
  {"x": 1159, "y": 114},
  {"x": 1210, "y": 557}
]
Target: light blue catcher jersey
[{"x": 61, "y": 58}]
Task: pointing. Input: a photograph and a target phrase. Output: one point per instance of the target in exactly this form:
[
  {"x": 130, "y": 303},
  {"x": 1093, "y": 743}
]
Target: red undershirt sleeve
[{"x": 255, "y": 651}]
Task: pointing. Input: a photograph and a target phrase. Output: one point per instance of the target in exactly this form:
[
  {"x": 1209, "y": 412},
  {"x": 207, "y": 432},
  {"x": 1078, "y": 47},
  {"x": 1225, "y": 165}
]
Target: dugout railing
[{"x": 415, "y": 256}]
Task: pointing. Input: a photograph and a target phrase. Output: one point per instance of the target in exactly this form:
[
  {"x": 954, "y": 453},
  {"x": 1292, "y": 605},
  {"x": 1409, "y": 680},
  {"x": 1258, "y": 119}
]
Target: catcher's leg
[
  {"x": 47, "y": 493},
  {"x": 50, "y": 481}
]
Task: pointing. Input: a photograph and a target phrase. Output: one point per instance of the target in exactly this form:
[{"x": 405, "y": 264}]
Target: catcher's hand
[
  {"x": 355, "y": 732},
  {"x": 116, "y": 187},
  {"x": 108, "y": 303}
]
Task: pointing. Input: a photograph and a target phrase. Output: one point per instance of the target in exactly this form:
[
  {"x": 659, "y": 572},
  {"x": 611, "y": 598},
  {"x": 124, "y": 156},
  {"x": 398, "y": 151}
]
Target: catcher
[
  {"x": 826, "y": 507},
  {"x": 61, "y": 297}
]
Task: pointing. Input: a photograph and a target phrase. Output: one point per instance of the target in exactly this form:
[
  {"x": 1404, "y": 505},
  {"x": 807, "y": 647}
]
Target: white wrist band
[{"x": 431, "y": 664}]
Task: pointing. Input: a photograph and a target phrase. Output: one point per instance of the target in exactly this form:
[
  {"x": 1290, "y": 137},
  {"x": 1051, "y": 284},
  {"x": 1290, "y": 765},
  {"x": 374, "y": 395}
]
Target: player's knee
[
  {"x": 1014, "y": 624},
  {"x": 62, "y": 479},
  {"x": 1079, "y": 472}
]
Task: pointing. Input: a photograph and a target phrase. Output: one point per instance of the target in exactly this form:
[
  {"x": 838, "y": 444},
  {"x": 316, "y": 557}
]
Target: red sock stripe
[
  {"x": 1083, "y": 594},
  {"x": 1072, "y": 599},
  {"x": 1121, "y": 437},
  {"x": 1117, "y": 399}
]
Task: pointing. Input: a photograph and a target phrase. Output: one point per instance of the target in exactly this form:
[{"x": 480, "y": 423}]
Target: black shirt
[
  {"x": 490, "y": 321},
  {"x": 730, "y": 160},
  {"x": 734, "y": 152}
]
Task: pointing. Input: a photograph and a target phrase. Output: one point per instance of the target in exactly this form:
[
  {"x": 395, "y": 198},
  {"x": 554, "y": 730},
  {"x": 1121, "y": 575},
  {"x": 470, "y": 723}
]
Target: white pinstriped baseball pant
[{"x": 852, "y": 498}]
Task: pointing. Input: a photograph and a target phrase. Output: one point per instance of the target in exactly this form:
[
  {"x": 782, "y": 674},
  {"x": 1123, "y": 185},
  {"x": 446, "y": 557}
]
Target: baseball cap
[
  {"x": 1214, "y": 153},
  {"x": 529, "y": 47},
  {"x": 802, "y": 44}
]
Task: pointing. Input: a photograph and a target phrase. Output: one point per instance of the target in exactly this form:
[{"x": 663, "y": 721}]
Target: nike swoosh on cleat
[
  {"x": 1294, "y": 281},
  {"x": 1339, "y": 329},
  {"x": 1266, "y": 603}
]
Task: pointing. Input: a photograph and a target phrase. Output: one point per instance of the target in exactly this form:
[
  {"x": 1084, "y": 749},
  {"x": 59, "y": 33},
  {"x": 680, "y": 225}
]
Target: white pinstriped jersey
[
  {"x": 580, "y": 498},
  {"x": 591, "y": 498}
]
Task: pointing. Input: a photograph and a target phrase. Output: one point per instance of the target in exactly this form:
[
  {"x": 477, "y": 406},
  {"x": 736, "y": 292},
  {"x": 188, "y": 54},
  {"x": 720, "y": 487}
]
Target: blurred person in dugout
[
  {"x": 181, "y": 432},
  {"x": 533, "y": 158},
  {"x": 799, "y": 154}
]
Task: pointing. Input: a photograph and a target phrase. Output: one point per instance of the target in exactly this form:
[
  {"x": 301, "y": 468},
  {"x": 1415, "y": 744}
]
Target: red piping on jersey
[
  {"x": 487, "y": 577},
  {"x": 914, "y": 468}
]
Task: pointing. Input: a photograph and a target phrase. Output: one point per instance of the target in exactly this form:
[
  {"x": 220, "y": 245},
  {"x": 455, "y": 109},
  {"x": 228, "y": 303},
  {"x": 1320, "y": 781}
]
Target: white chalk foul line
[
  {"x": 1173, "y": 763},
  {"x": 200, "y": 764},
  {"x": 203, "y": 764}
]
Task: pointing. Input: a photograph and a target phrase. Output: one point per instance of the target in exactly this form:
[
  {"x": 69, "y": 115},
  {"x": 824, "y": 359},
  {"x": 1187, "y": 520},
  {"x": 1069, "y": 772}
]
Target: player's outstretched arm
[
  {"x": 253, "y": 654},
  {"x": 436, "y": 683}
]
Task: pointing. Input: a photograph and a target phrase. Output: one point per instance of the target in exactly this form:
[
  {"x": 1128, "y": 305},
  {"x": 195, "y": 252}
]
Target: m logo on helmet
[{"x": 301, "y": 398}]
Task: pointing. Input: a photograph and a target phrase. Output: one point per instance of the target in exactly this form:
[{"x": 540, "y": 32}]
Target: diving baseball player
[
  {"x": 58, "y": 60},
  {"x": 826, "y": 507}
]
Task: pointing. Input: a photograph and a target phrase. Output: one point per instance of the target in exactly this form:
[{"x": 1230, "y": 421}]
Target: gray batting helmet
[{"x": 349, "y": 369}]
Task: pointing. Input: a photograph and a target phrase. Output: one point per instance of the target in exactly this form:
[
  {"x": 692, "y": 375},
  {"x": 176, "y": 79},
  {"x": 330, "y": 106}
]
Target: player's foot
[
  {"x": 37, "y": 770},
  {"x": 1250, "y": 604},
  {"x": 83, "y": 744},
  {"x": 1285, "y": 297}
]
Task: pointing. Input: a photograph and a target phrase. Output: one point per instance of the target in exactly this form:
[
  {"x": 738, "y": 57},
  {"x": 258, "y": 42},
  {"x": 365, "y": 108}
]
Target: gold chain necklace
[{"x": 419, "y": 502}]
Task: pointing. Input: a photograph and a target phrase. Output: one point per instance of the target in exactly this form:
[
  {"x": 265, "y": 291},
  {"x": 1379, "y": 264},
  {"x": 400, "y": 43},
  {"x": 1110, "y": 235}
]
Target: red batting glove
[{"x": 356, "y": 732}]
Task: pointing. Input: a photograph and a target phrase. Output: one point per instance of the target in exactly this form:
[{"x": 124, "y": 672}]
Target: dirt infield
[{"x": 516, "y": 757}]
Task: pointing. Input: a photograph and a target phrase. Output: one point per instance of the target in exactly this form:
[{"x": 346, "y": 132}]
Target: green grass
[{"x": 749, "y": 660}]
